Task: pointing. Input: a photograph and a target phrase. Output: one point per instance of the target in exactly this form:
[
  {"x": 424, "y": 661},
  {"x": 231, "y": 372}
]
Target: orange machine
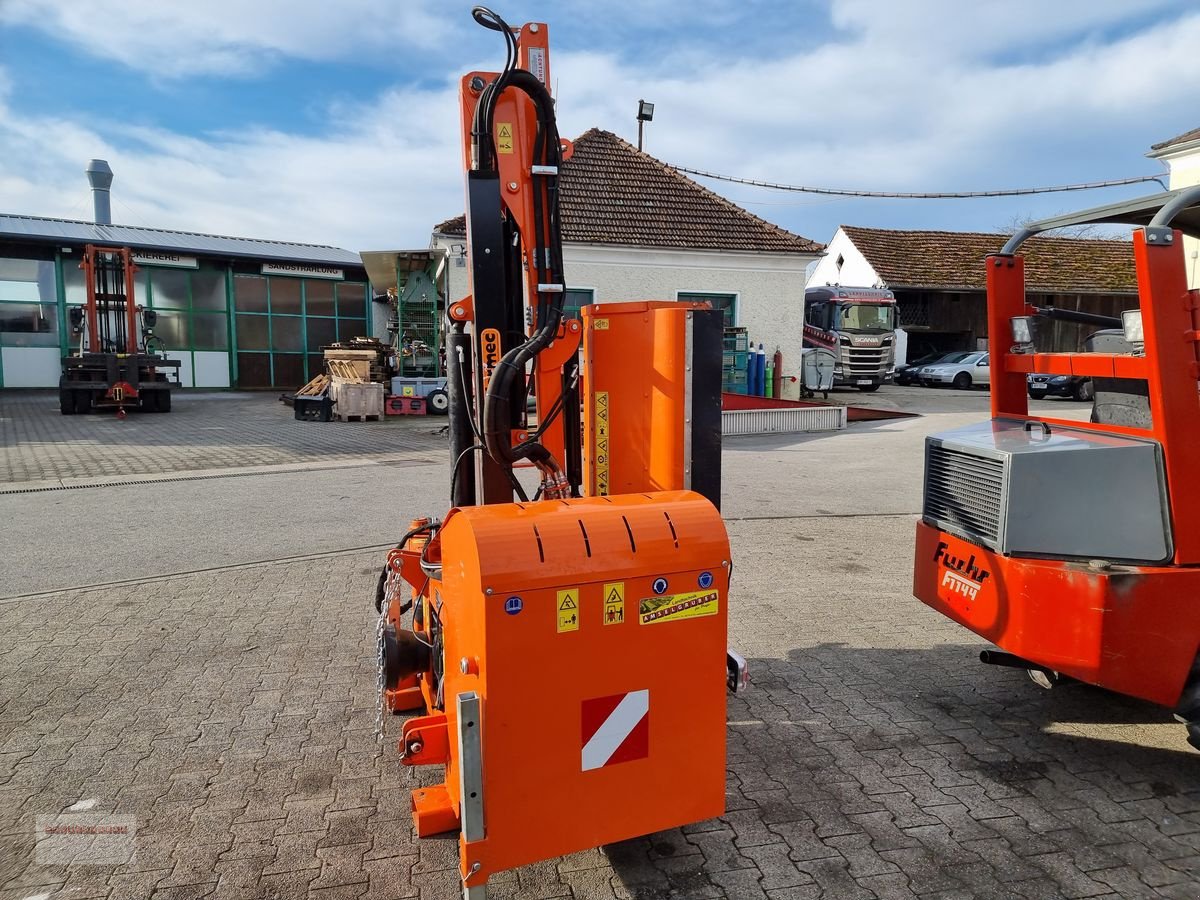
[
  {"x": 1075, "y": 546},
  {"x": 563, "y": 640}
]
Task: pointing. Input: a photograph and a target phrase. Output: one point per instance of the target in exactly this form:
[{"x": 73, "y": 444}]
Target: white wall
[
  {"x": 31, "y": 366},
  {"x": 855, "y": 271},
  {"x": 1184, "y": 167},
  {"x": 769, "y": 286}
]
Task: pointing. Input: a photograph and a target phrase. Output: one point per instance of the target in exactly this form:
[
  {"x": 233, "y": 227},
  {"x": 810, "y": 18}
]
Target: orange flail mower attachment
[{"x": 583, "y": 697}]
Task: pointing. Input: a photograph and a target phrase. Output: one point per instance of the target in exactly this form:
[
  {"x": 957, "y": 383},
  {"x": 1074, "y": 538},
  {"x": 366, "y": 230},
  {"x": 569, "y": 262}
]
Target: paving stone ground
[
  {"x": 202, "y": 431},
  {"x": 232, "y": 714}
]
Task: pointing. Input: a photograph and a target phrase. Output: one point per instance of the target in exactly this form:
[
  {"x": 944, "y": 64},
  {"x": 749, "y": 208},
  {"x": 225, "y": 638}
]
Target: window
[
  {"x": 575, "y": 299},
  {"x": 727, "y": 303},
  {"x": 28, "y": 303}
]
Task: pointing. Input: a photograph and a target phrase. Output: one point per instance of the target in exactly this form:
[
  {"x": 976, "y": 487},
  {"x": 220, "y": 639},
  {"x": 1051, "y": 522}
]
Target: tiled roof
[
  {"x": 1184, "y": 138},
  {"x": 954, "y": 260},
  {"x": 613, "y": 193}
]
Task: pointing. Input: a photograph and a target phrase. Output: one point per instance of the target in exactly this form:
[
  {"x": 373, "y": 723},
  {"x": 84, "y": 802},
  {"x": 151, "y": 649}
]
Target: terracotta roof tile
[
  {"x": 1192, "y": 135},
  {"x": 613, "y": 193},
  {"x": 954, "y": 260}
]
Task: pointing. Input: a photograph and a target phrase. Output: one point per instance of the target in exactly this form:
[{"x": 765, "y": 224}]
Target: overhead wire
[{"x": 918, "y": 195}]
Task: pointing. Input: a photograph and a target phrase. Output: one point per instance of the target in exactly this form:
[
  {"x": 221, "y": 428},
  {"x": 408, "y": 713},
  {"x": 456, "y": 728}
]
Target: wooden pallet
[
  {"x": 314, "y": 388},
  {"x": 342, "y": 418},
  {"x": 345, "y": 371}
]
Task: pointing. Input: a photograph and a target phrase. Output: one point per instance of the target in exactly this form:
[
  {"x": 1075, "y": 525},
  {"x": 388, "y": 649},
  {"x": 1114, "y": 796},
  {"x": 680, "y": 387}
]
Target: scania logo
[{"x": 962, "y": 576}]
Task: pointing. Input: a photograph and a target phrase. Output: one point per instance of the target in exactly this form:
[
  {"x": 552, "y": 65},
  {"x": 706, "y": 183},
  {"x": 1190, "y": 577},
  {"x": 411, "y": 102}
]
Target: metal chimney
[{"x": 100, "y": 177}]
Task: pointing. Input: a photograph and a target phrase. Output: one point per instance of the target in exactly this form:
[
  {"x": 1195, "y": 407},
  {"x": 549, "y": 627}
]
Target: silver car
[{"x": 964, "y": 373}]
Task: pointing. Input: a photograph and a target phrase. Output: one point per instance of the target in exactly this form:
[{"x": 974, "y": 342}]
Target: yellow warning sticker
[
  {"x": 601, "y": 443},
  {"x": 568, "y": 610},
  {"x": 673, "y": 607},
  {"x": 504, "y": 137},
  {"x": 614, "y": 603},
  {"x": 600, "y": 325}
]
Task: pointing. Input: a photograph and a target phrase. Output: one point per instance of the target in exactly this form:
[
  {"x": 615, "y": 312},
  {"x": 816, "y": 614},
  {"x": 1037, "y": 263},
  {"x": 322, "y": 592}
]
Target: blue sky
[{"x": 337, "y": 123}]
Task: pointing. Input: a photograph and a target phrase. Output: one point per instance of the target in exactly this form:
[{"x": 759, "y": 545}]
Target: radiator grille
[
  {"x": 964, "y": 494},
  {"x": 864, "y": 360}
]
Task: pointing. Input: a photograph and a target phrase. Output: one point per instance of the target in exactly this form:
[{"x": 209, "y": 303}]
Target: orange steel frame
[
  {"x": 88, "y": 264},
  {"x": 1132, "y": 629},
  {"x": 515, "y": 109}
]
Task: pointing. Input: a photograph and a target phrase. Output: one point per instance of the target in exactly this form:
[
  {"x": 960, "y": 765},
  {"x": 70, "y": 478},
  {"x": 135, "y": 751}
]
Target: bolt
[
  {"x": 1153, "y": 238},
  {"x": 476, "y": 84},
  {"x": 488, "y": 592},
  {"x": 464, "y": 665},
  {"x": 458, "y": 311},
  {"x": 487, "y": 249},
  {"x": 533, "y": 27},
  {"x": 512, "y": 186},
  {"x": 725, "y": 563},
  {"x": 415, "y": 747}
]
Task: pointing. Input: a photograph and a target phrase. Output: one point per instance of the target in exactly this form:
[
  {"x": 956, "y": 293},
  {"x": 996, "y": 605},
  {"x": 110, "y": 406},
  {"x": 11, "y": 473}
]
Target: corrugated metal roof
[{"x": 71, "y": 231}]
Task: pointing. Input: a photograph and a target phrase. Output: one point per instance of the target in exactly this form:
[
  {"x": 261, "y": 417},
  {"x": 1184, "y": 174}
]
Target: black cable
[{"x": 458, "y": 464}]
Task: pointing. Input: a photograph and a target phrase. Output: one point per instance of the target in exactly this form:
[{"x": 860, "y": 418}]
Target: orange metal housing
[
  {"x": 551, "y": 613},
  {"x": 638, "y": 399},
  {"x": 1132, "y": 629}
]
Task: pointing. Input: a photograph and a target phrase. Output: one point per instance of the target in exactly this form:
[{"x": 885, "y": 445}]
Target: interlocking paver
[
  {"x": 202, "y": 431},
  {"x": 232, "y": 713}
]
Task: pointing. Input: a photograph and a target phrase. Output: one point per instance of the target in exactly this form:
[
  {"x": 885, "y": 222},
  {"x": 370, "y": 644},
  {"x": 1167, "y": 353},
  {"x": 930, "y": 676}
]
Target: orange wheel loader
[
  {"x": 1074, "y": 547},
  {"x": 560, "y": 633}
]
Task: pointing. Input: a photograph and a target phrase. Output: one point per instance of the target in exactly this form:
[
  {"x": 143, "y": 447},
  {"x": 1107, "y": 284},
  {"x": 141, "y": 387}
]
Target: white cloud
[
  {"x": 381, "y": 178},
  {"x": 893, "y": 102},
  {"x": 229, "y": 37}
]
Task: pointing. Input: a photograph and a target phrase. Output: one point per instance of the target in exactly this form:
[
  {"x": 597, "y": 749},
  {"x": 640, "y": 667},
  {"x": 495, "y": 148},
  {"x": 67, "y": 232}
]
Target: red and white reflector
[{"x": 615, "y": 729}]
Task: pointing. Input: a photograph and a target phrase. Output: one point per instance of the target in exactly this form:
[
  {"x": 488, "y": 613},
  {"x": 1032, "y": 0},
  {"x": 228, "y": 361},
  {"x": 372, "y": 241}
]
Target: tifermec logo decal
[{"x": 960, "y": 576}]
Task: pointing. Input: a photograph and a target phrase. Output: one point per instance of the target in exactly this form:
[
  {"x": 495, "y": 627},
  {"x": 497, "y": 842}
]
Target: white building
[
  {"x": 635, "y": 229},
  {"x": 1181, "y": 155}
]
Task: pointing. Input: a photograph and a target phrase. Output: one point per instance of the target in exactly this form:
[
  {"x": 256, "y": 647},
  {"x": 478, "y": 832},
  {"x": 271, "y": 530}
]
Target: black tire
[
  {"x": 150, "y": 400},
  {"x": 437, "y": 402},
  {"x": 66, "y": 401},
  {"x": 868, "y": 388},
  {"x": 1085, "y": 391},
  {"x": 83, "y": 402},
  {"x": 962, "y": 381},
  {"x": 164, "y": 400}
]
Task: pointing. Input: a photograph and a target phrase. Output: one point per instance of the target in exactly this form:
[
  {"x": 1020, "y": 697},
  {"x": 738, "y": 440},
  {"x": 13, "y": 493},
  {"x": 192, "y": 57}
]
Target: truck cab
[{"x": 859, "y": 326}]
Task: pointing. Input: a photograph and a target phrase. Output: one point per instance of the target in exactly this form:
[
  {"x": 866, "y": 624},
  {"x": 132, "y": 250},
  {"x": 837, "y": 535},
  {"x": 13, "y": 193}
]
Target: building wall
[
  {"x": 768, "y": 288},
  {"x": 222, "y": 333},
  {"x": 1184, "y": 167},
  {"x": 853, "y": 271}
]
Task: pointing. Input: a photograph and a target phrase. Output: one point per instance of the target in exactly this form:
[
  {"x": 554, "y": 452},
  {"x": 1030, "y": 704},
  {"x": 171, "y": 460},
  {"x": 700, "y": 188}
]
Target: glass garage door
[{"x": 282, "y": 323}]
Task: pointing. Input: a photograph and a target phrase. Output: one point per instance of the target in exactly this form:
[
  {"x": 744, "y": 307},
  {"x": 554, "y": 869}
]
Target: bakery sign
[
  {"x": 164, "y": 258},
  {"x": 300, "y": 270}
]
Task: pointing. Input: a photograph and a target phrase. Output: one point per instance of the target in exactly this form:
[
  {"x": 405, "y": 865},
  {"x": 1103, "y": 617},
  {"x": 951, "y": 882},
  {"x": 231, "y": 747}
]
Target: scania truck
[{"x": 859, "y": 326}]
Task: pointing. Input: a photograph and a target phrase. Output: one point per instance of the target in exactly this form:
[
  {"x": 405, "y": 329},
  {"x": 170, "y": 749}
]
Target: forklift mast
[
  {"x": 111, "y": 310},
  {"x": 581, "y": 624},
  {"x": 1075, "y": 546}
]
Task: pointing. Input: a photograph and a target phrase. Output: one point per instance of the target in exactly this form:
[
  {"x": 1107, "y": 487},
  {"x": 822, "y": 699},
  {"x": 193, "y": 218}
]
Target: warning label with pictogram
[
  {"x": 504, "y": 137},
  {"x": 568, "y": 610},
  {"x": 614, "y": 603},
  {"x": 615, "y": 729},
  {"x": 601, "y": 443},
  {"x": 671, "y": 608}
]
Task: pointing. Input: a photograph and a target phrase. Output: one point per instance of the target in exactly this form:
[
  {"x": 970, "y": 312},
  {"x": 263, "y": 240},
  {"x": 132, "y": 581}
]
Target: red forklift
[
  {"x": 117, "y": 362},
  {"x": 1073, "y": 546}
]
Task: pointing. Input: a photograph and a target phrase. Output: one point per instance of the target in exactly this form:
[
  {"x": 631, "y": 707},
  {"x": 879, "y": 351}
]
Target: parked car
[
  {"x": 1077, "y": 387},
  {"x": 966, "y": 372},
  {"x": 907, "y": 373}
]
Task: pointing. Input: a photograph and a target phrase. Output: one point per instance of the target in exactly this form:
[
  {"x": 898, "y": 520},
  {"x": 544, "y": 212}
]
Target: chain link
[{"x": 380, "y": 652}]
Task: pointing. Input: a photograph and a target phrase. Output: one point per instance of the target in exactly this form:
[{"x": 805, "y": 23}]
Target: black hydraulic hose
[{"x": 381, "y": 584}]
